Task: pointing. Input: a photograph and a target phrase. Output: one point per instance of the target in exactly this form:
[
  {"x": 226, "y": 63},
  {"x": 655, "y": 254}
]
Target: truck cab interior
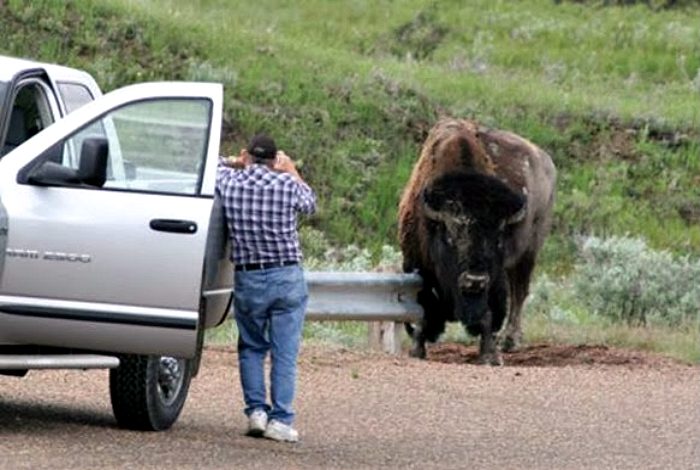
[{"x": 31, "y": 113}]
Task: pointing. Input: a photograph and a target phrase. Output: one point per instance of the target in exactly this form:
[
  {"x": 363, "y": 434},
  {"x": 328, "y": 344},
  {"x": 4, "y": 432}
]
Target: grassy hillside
[{"x": 351, "y": 89}]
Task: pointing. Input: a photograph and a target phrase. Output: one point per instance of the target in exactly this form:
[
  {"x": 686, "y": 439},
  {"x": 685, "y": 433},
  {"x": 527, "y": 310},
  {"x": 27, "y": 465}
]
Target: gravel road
[{"x": 362, "y": 410}]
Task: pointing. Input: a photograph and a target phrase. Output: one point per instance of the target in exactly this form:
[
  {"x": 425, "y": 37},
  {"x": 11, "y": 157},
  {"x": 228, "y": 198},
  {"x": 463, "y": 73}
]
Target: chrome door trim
[{"x": 98, "y": 312}]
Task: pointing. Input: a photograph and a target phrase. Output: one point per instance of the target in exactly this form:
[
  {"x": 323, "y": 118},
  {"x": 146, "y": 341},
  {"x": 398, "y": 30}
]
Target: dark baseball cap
[{"x": 262, "y": 146}]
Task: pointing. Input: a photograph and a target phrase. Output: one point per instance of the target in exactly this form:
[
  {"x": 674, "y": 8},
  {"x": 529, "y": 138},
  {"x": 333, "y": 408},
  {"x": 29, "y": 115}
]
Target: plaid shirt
[{"x": 261, "y": 206}]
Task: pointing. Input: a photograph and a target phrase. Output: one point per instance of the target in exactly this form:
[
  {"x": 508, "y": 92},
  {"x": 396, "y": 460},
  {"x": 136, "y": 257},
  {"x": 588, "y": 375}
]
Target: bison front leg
[
  {"x": 431, "y": 325},
  {"x": 488, "y": 344},
  {"x": 488, "y": 350},
  {"x": 491, "y": 323}
]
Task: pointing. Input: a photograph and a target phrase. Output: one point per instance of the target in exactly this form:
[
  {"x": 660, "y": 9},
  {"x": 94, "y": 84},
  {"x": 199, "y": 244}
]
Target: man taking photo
[{"x": 262, "y": 193}]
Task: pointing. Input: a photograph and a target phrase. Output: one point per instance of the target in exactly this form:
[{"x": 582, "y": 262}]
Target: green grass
[
  {"x": 355, "y": 102},
  {"x": 345, "y": 334},
  {"x": 679, "y": 343}
]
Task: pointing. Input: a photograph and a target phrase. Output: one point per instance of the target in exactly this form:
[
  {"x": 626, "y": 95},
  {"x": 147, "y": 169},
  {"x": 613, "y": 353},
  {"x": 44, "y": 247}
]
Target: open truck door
[{"x": 107, "y": 222}]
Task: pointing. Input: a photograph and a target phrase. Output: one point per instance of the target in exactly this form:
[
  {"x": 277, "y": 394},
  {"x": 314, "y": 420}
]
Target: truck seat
[{"x": 17, "y": 132}]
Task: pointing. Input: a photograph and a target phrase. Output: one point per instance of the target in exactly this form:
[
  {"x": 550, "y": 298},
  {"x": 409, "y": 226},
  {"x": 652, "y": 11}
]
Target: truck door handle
[{"x": 173, "y": 225}]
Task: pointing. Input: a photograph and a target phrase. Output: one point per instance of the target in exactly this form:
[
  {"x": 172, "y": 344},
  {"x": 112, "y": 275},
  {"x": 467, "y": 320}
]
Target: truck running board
[{"x": 57, "y": 361}]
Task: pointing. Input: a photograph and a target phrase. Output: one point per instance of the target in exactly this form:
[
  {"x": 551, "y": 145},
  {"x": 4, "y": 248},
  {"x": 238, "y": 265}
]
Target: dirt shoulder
[
  {"x": 556, "y": 355},
  {"x": 367, "y": 410}
]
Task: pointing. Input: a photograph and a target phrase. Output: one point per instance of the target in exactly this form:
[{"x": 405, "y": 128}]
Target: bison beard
[{"x": 472, "y": 219}]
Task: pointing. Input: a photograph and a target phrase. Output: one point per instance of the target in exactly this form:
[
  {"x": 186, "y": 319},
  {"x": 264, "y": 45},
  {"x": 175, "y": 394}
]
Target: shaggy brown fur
[
  {"x": 460, "y": 144},
  {"x": 450, "y": 145}
]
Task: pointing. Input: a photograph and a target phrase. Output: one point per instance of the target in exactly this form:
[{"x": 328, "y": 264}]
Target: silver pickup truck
[{"x": 112, "y": 246}]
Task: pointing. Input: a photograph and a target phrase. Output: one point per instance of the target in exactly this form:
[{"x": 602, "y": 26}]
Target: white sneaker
[
  {"x": 278, "y": 431},
  {"x": 257, "y": 423}
]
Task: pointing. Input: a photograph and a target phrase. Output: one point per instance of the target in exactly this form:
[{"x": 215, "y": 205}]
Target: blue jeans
[{"x": 269, "y": 306}]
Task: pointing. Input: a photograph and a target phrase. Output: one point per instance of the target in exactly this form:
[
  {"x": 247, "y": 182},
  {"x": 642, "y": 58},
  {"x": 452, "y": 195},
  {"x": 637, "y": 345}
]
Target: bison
[{"x": 472, "y": 219}]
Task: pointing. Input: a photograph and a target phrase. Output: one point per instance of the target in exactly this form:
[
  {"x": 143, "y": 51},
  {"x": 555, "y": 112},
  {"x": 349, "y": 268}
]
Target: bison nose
[{"x": 471, "y": 282}]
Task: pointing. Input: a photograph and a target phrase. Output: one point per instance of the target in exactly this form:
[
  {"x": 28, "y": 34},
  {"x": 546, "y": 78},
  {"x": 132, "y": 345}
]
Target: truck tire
[{"x": 148, "y": 392}]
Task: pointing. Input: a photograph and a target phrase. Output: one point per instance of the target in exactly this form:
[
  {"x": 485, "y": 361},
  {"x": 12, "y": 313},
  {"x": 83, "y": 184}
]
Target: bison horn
[
  {"x": 518, "y": 216},
  {"x": 446, "y": 217},
  {"x": 431, "y": 213},
  {"x": 435, "y": 215}
]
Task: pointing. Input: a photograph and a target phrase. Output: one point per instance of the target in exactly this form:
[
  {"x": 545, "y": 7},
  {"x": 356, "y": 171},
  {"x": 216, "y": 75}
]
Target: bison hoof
[
  {"x": 511, "y": 344},
  {"x": 494, "y": 359},
  {"x": 418, "y": 352}
]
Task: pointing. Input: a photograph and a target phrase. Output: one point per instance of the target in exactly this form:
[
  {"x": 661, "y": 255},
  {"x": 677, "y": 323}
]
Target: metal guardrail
[{"x": 363, "y": 296}]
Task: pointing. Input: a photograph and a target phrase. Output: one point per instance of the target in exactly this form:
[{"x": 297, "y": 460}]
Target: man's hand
[
  {"x": 239, "y": 162},
  {"x": 233, "y": 162},
  {"x": 284, "y": 164}
]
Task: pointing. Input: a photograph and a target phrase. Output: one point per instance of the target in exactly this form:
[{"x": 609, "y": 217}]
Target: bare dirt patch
[{"x": 553, "y": 355}]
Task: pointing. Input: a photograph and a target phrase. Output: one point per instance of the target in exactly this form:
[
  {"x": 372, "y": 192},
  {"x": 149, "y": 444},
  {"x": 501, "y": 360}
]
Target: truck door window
[
  {"x": 154, "y": 146},
  {"x": 74, "y": 95},
  {"x": 31, "y": 112}
]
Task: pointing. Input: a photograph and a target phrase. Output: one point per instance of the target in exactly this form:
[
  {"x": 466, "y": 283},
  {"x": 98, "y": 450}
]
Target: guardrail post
[{"x": 385, "y": 336}]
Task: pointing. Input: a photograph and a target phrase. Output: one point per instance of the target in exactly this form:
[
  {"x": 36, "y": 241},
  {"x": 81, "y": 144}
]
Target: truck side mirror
[
  {"x": 93, "y": 162},
  {"x": 91, "y": 171},
  {"x": 51, "y": 174}
]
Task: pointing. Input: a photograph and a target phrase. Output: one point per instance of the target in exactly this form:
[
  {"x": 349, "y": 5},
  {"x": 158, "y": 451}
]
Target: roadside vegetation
[{"x": 611, "y": 89}]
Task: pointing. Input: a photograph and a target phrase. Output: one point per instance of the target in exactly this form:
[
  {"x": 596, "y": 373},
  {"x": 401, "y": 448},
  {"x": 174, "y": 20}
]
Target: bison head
[{"x": 468, "y": 215}]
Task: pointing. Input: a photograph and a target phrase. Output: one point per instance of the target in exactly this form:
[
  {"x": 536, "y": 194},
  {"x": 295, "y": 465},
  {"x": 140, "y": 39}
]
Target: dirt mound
[{"x": 553, "y": 355}]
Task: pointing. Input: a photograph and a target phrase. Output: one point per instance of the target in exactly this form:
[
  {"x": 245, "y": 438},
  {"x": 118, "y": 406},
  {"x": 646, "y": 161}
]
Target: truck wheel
[{"x": 148, "y": 392}]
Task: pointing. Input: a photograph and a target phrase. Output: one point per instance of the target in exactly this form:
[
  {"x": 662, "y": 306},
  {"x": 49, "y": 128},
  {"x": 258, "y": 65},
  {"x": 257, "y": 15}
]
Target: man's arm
[
  {"x": 306, "y": 198},
  {"x": 226, "y": 164},
  {"x": 222, "y": 172},
  {"x": 284, "y": 164}
]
